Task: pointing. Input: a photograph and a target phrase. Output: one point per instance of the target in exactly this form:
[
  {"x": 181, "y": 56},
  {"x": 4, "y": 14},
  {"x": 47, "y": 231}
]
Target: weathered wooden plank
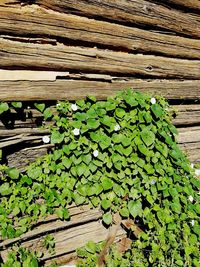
[
  {"x": 60, "y": 57},
  {"x": 192, "y": 4},
  {"x": 79, "y": 215},
  {"x": 192, "y": 150},
  {"x": 187, "y": 115},
  {"x": 189, "y": 140},
  {"x": 69, "y": 235},
  {"x": 136, "y": 11},
  {"x": 79, "y": 89},
  {"x": 19, "y": 21},
  {"x": 23, "y": 157},
  {"x": 189, "y": 135}
]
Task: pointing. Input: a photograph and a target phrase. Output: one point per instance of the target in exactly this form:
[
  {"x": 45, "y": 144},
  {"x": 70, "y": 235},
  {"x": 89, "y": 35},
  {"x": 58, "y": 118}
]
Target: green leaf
[
  {"x": 143, "y": 149},
  {"x": 176, "y": 207},
  {"x": 67, "y": 162},
  {"x": 34, "y": 173},
  {"x": 106, "y": 120},
  {"x": 87, "y": 158},
  {"x": 117, "y": 138},
  {"x": 126, "y": 141},
  {"x": 78, "y": 198},
  {"x": 157, "y": 110},
  {"x": 107, "y": 183},
  {"x": 148, "y": 137},
  {"x": 120, "y": 112},
  {"x": 107, "y": 218},
  {"x": 80, "y": 169},
  {"x": 104, "y": 143},
  {"x": 105, "y": 203},
  {"x": 13, "y": 173},
  {"x": 47, "y": 113},
  {"x": 92, "y": 123},
  {"x": 127, "y": 151},
  {"x": 82, "y": 190},
  {"x": 90, "y": 247},
  {"x": 40, "y": 107},
  {"x": 57, "y": 137},
  {"x": 16, "y": 104},
  {"x": 131, "y": 101},
  {"x": 63, "y": 213},
  {"x": 124, "y": 212},
  {"x": 135, "y": 208},
  {"x": 5, "y": 189},
  {"x": 3, "y": 107}
]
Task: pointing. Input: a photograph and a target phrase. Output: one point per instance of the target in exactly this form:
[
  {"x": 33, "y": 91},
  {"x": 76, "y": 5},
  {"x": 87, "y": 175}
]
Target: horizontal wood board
[{"x": 68, "y": 49}]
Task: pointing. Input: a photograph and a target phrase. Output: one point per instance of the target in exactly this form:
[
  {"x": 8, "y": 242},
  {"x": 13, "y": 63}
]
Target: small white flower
[
  {"x": 192, "y": 165},
  {"x": 76, "y": 131},
  {"x": 191, "y": 199},
  {"x": 197, "y": 172},
  {"x": 58, "y": 105},
  {"x": 117, "y": 127},
  {"x": 95, "y": 153},
  {"x": 46, "y": 139},
  {"x": 28, "y": 107},
  {"x": 153, "y": 101},
  {"x": 192, "y": 222},
  {"x": 74, "y": 107}
]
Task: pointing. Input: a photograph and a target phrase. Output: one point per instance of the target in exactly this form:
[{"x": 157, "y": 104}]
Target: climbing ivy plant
[{"x": 120, "y": 154}]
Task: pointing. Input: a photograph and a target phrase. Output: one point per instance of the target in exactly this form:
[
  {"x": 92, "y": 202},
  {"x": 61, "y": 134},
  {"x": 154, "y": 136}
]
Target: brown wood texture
[
  {"x": 68, "y": 49},
  {"x": 192, "y": 4},
  {"x": 187, "y": 115},
  {"x": 137, "y": 11},
  {"x": 83, "y": 226},
  {"x": 61, "y": 57},
  {"x": 45, "y": 22},
  {"x": 76, "y": 89}
]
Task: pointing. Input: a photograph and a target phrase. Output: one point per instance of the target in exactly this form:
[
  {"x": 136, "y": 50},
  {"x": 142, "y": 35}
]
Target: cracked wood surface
[
  {"x": 19, "y": 21},
  {"x": 136, "y": 12},
  {"x": 62, "y": 58},
  {"x": 76, "y": 89},
  {"x": 83, "y": 226},
  {"x": 192, "y": 4}
]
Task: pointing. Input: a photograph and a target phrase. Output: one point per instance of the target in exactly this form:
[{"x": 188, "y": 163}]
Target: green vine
[{"x": 120, "y": 154}]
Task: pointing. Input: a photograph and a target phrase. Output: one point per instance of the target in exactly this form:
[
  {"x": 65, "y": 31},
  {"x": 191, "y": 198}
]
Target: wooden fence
[{"x": 67, "y": 49}]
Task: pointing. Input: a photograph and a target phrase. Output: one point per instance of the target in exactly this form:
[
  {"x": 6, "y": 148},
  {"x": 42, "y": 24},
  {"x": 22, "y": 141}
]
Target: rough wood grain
[
  {"x": 45, "y": 22},
  {"x": 62, "y": 58},
  {"x": 68, "y": 235},
  {"x": 187, "y": 115},
  {"x": 192, "y": 4},
  {"x": 79, "y": 89},
  {"x": 79, "y": 215},
  {"x": 135, "y": 11},
  {"x": 189, "y": 141}
]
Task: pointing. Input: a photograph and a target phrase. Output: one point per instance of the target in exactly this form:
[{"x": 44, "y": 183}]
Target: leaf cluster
[{"x": 120, "y": 154}]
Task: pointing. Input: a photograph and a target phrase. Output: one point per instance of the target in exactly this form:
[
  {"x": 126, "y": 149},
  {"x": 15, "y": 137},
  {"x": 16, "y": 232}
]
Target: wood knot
[{"x": 149, "y": 68}]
